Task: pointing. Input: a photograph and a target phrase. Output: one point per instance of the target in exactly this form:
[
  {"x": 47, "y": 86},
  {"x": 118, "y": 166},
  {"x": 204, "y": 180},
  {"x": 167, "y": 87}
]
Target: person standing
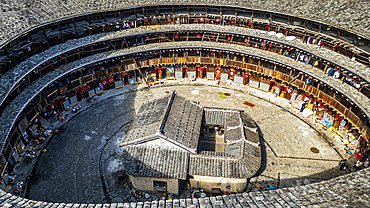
[
  {"x": 38, "y": 123},
  {"x": 56, "y": 115},
  {"x": 366, "y": 163},
  {"x": 303, "y": 106}
]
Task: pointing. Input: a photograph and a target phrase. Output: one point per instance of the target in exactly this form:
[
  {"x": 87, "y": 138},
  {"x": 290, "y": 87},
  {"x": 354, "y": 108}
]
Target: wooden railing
[
  {"x": 153, "y": 62},
  {"x": 180, "y": 60},
  {"x": 207, "y": 60},
  {"x": 194, "y": 59},
  {"x": 167, "y": 61},
  {"x": 131, "y": 67}
]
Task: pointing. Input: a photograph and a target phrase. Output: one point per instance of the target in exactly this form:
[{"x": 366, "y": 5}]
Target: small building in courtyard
[{"x": 173, "y": 139}]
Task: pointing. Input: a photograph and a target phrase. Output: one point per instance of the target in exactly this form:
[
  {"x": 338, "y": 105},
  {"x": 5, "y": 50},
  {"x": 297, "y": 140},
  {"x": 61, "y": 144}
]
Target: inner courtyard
[{"x": 85, "y": 153}]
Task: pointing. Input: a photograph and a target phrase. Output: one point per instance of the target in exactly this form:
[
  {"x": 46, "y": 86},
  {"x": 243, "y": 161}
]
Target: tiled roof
[
  {"x": 215, "y": 154},
  {"x": 251, "y": 136},
  {"x": 217, "y": 116},
  {"x": 350, "y": 190},
  {"x": 233, "y": 129},
  {"x": 183, "y": 123},
  {"x": 248, "y": 121},
  {"x": 244, "y": 166},
  {"x": 19, "y": 16},
  {"x": 155, "y": 161},
  {"x": 172, "y": 118},
  {"x": 148, "y": 120},
  {"x": 234, "y": 149}
]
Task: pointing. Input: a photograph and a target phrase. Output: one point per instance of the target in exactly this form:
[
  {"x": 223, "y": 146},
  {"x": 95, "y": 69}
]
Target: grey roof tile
[
  {"x": 155, "y": 161},
  {"x": 183, "y": 122}
]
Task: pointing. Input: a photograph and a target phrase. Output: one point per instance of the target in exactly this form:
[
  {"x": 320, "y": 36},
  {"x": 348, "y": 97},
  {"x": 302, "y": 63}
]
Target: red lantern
[
  {"x": 246, "y": 40},
  {"x": 267, "y": 26},
  {"x": 176, "y": 36},
  {"x": 198, "y": 35},
  {"x": 213, "y": 36},
  {"x": 228, "y": 37},
  {"x": 155, "y": 53},
  {"x": 219, "y": 53},
  {"x": 249, "y": 23}
]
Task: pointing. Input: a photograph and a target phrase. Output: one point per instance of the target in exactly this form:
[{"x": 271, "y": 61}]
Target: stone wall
[
  {"x": 147, "y": 184},
  {"x": 225, "y": 184}
]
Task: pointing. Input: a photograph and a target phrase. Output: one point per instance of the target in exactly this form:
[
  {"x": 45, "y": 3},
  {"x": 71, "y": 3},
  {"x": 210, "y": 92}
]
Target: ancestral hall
[{"x": 173, "y": 139}]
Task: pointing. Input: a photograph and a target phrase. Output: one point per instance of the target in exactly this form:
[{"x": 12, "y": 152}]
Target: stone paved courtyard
[{"x": 69, "y": 171}]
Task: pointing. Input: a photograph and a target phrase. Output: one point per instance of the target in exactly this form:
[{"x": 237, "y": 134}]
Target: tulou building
[{"x": 298, "y": 73}]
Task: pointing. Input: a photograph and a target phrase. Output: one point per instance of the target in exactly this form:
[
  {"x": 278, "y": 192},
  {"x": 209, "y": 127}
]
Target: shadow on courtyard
[{"x": 71, "y": 163}]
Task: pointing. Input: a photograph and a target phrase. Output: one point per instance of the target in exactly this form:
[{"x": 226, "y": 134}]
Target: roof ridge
[{"x": 164, "y": 119}]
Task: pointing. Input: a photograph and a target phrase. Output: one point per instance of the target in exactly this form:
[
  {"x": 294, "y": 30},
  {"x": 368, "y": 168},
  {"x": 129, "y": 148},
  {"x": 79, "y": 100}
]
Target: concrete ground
[{"x": 87, "y": 147}]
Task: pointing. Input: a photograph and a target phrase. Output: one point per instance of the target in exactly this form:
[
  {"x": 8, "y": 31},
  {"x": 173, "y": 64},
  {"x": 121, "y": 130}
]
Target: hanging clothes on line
[
  {"x": 336, "y": 74},
  {"x": 320, "y": 43},
  {"x": 315, "y": 63}
]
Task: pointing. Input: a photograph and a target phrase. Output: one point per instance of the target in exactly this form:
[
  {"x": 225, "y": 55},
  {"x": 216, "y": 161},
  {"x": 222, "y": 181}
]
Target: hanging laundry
[
  {"x": 305, "y": 39},
  {"x": 297, "y": 59},
  {"x": 329, "y": 71},
  {"x": 308, "y": 81},
  {"x": 315, "y": 63},
  {"x": 306, "y": 59},
  {"x": 320, "y": 43},
  {"x": 336, "y": 75},
  {"x": 286, "y": 54}
]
